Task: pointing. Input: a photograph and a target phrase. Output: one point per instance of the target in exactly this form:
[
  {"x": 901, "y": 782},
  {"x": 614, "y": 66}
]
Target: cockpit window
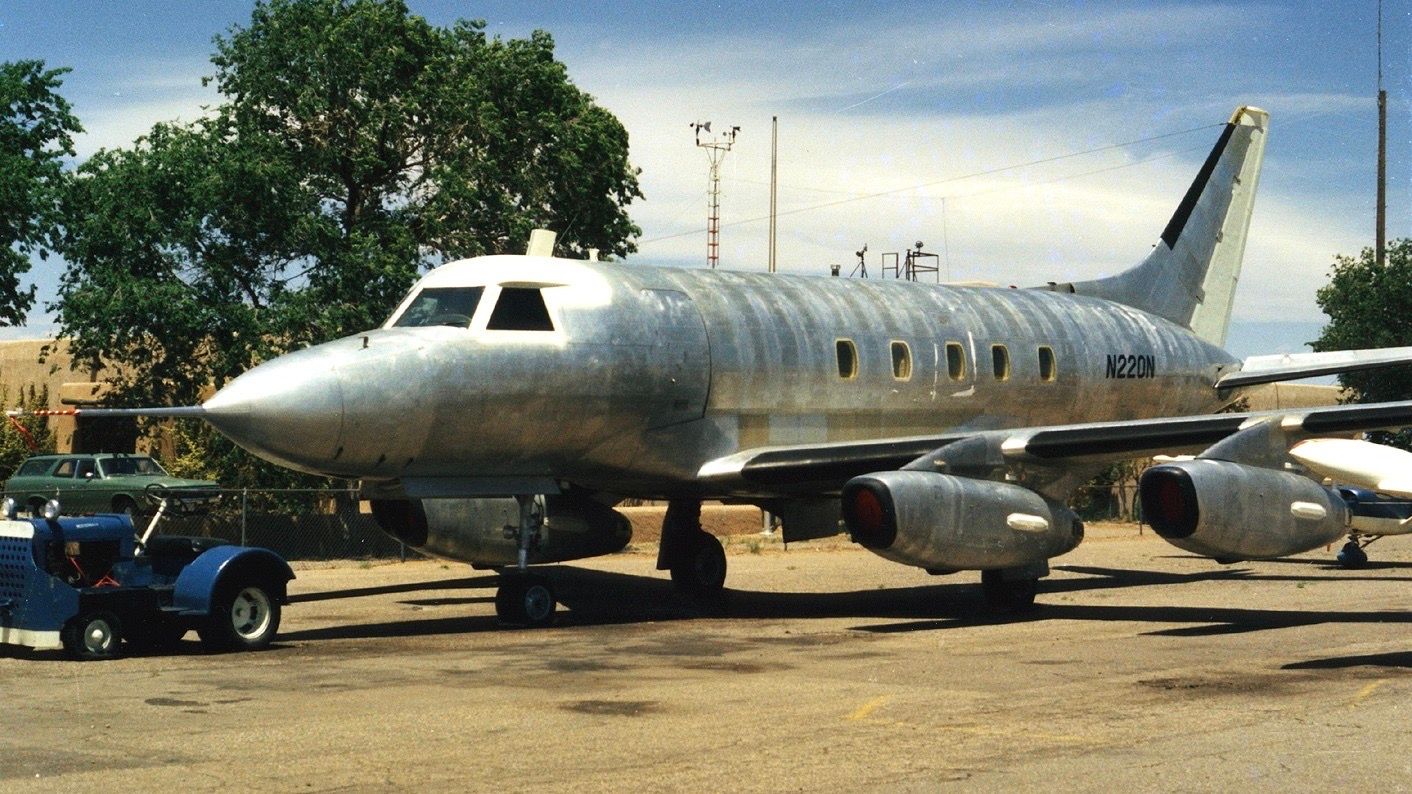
[
  {"x": 441, "y": 306},
  {"x": 520, "y": 309}
]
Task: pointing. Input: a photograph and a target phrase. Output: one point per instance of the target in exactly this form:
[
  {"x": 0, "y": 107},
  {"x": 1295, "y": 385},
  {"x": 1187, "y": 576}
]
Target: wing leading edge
[{"x": 769, "y": 470}]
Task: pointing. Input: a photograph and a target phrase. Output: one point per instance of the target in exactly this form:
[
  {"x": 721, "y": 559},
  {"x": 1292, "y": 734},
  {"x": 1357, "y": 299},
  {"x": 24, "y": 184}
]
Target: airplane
[{"x": 509, "y": 402}]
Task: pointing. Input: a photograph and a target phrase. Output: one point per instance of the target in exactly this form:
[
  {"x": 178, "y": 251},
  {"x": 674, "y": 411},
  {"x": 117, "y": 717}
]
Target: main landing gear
[
  {"x": 1352, "y": 555},
  {"x": 524, "y": 598},
  {"x": 1012, "y": 589},
  {"x": 695, "y": 557}
]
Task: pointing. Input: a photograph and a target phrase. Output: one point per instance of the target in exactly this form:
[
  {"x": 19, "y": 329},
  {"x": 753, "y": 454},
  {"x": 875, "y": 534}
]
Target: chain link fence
[
  {"x": 298, "y": 524},
  {"x": 330, "y": 524}
]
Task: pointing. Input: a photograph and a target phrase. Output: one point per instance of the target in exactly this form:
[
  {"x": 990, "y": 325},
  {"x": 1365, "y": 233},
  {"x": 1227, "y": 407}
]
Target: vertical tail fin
[{"x": 1191, "y": 274}]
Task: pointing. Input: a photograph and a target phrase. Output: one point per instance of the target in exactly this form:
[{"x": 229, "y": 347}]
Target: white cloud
[{"x": 1072, "y": 218}]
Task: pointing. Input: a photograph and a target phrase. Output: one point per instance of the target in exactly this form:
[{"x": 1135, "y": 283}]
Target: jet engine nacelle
[
  {"x": 942, "y": 522},
  {"x": 1231, "y": 512},
  {"x": 474, "y": 530}
]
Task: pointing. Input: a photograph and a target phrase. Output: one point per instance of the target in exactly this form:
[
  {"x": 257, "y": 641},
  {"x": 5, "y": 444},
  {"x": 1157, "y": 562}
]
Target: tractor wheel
[
  {"x": 244, "y": 617},
  {"x": 92, "y": 636}
]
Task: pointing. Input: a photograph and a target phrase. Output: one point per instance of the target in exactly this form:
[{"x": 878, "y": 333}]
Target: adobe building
[{"x": 20, "y": 368}]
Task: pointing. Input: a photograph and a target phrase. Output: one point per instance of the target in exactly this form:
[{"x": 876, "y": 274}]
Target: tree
[
  {"x": 1367, "y": 307},
  {"x": 357, "y": 146},
  {"x": 26, "y": 435},
  {"x": 36, "y": 133}
]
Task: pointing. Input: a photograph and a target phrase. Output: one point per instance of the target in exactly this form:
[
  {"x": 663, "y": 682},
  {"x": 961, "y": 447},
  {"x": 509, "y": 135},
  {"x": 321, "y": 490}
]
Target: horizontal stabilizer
[{"x": 1293, "y": 366}]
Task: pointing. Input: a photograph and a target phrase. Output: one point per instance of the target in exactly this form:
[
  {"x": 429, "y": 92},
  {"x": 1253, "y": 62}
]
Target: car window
[
  {"x": 128, "y": 467},
  {"x": 34, "y": 468},
  {"x": 66, "y": 469},
  {"x": 85, "y": 470}
]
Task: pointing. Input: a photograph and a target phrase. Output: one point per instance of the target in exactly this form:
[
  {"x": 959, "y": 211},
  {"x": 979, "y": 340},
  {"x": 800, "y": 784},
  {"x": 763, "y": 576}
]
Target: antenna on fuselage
[{"x": 541, "y": 243}]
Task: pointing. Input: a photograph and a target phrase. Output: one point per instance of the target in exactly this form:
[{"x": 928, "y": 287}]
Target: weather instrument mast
[{"x": 716, "y": 149}]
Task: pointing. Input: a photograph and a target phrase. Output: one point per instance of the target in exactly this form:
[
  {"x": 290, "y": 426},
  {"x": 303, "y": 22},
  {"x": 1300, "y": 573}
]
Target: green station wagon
[{"x": 100, "y": 483}]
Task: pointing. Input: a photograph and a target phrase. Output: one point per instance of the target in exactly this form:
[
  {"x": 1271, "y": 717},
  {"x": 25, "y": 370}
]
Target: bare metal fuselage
[{"x": 651, "y": 372}]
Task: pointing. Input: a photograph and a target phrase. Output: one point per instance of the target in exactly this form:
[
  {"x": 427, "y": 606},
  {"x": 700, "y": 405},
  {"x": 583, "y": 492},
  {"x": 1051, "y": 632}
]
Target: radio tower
[{"x": 716, "y": 149}]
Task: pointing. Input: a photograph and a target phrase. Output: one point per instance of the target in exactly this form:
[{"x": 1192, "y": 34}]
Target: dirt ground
[
  {"x": 824, "y": 667},
  {"x": 719, "y": 520}
]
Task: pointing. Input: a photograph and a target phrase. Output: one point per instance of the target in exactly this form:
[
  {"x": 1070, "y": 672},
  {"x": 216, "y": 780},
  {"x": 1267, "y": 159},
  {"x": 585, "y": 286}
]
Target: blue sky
[{"x": 913, "y": 99}]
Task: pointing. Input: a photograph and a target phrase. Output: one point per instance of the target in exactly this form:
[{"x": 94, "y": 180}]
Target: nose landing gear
[{"x": 526, "y": 599}]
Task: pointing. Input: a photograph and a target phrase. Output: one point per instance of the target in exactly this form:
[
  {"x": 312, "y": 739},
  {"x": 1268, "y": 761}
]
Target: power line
[{"x": 987, "y": 172}]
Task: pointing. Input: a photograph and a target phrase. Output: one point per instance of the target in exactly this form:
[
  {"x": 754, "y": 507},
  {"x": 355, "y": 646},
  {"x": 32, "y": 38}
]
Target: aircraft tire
[
  {"x": 1352, "y": 556},
  {"x": 701, "y": 572},
  {"x": 527, "y": 601},
  {"x": 1008, "y": 595}
]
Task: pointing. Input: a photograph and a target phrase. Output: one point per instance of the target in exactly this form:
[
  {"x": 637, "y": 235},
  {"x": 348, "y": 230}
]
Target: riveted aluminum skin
[
  {"x": 474, "y": 530},
  {"x": 958, "y": 523},
  {"x": 1231, "y": 511},
  {"x": 650, "y": 372}
]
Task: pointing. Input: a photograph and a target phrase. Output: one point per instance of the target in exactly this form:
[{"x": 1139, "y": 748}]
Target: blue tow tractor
[{"x": 90, "y": 585}]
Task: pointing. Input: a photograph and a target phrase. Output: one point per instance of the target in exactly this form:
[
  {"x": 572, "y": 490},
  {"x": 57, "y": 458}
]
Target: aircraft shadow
[
  {"x": 593, "y": 598},
  {"x": 1398, "y": 659},
  {"x": 488, "y": 580},
  {"x": 1329, "y": 564}
]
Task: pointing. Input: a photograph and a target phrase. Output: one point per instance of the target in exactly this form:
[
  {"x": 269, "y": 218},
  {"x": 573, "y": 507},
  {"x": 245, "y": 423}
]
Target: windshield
[
  {"x": 441, "y": 306},
  {"x": 127, "y": 467}
]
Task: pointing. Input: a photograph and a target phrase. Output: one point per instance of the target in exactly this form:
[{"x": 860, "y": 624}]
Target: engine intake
[
  {"x": 942, "y": 522},
  {"x": 1231, "y": 511}
]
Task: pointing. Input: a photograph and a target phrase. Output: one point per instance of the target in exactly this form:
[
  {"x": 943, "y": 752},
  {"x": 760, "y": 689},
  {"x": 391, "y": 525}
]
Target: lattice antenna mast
[{"x": 716, "y": 149}]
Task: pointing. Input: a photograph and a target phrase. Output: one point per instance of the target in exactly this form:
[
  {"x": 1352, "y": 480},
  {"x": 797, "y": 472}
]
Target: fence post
[{"x": 244, "y": 501}]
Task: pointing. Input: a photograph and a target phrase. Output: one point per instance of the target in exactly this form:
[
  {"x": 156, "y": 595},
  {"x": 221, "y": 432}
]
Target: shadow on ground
[{"x": 590, "y": 598}]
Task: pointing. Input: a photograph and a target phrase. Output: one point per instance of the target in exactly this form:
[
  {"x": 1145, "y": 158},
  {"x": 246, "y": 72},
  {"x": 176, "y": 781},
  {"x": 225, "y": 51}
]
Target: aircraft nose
[{"x": 288, "y": 410}]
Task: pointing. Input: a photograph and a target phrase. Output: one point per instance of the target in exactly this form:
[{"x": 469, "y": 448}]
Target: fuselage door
[{"x": 680, "y": 351}]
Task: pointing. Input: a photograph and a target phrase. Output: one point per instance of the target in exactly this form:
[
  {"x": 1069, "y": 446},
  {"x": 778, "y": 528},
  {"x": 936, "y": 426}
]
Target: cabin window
[
  {"x": 901, "y": 361},
  {"x": 955, "y": 361},
  {"x": 441, "y": 306},
  {"x": 520, "y": 309},
  {"x": 1000, "y": 361},
  {"x": 1047, "y": 370},
  {"x": 847, "y": 356}
]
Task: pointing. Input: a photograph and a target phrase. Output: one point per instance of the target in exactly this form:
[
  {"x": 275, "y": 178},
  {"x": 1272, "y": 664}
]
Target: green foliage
[
  {"x": 36, "y": 132},
  {"x": 1111, "y": 495},
  {"x": 1367, "y": 307},
  {"x": 14, "y": 446},
  {"x": 357, "y": 146}
]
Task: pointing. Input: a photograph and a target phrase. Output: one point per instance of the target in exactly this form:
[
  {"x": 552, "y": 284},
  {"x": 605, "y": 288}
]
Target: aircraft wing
[
  {"x": 1293, "y": 366},
  {"x": 768, "y": 470}
]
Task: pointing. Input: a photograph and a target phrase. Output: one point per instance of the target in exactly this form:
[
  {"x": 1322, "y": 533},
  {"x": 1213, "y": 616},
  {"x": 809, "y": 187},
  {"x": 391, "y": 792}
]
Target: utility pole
[
  {"x": 1381, "y": 238},
  {"x": 716, "y": 149},
  {"x": 774, "y": 182}
]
